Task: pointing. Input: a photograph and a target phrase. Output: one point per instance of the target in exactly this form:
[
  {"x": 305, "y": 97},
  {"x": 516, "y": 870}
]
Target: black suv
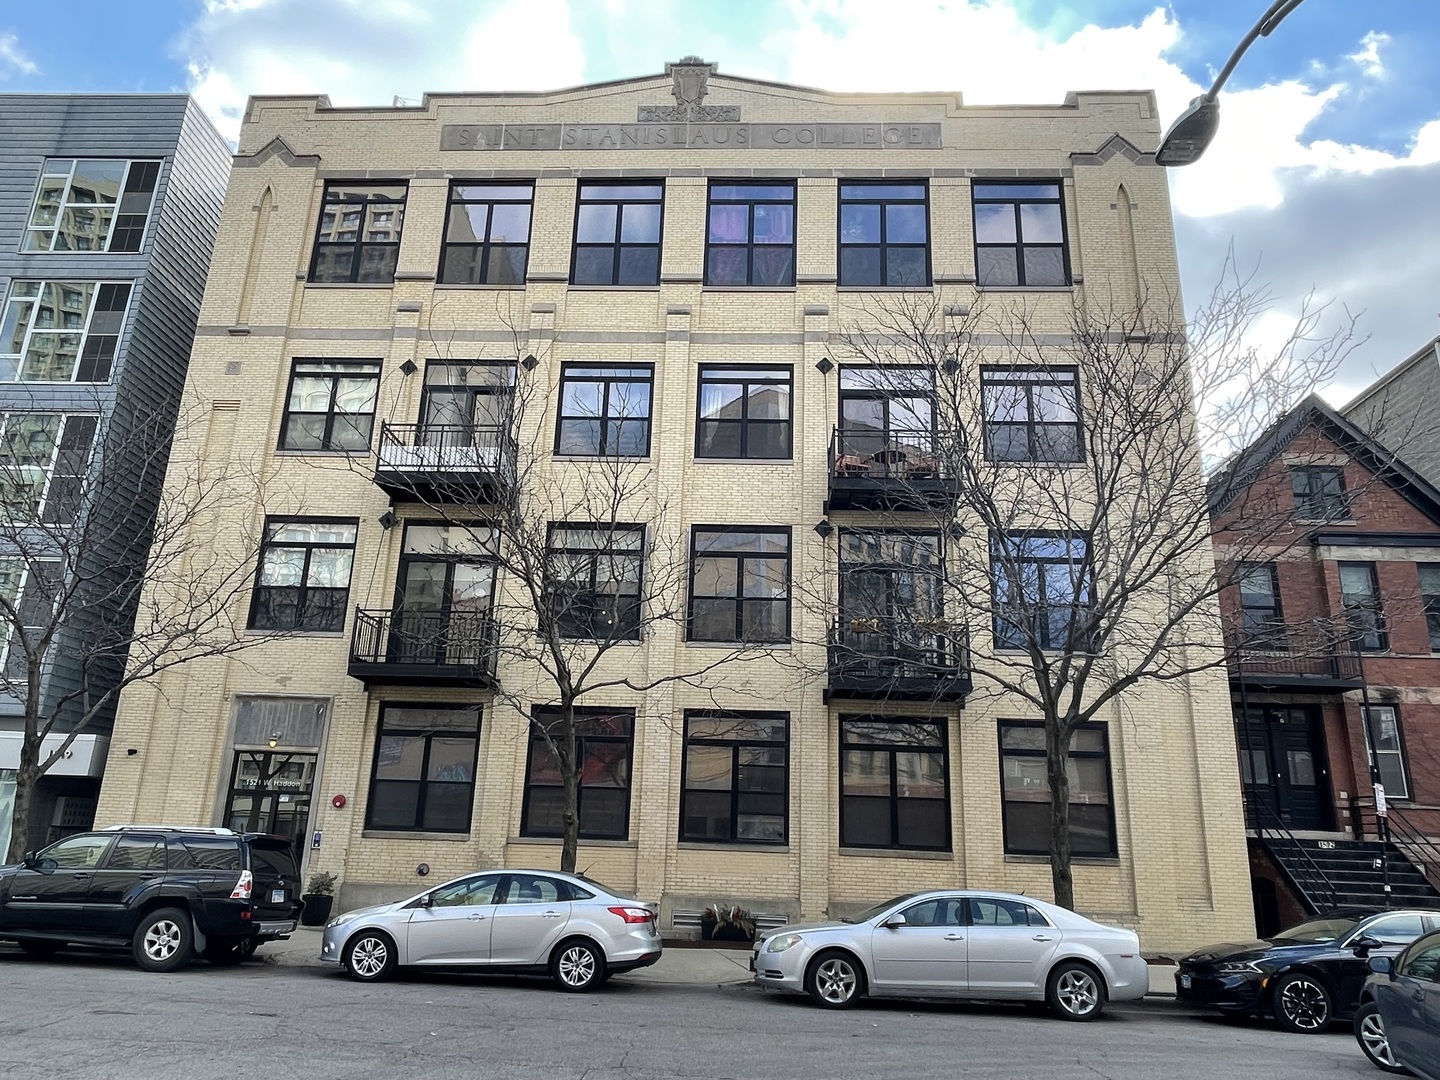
[{"x": 164, "y": 893}]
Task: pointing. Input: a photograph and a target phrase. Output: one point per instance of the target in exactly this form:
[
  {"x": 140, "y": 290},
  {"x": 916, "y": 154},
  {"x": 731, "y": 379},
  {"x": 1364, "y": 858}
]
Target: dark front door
[
  {"x": 1286, "y": 772},
  {"x": 270, "y": 793}
]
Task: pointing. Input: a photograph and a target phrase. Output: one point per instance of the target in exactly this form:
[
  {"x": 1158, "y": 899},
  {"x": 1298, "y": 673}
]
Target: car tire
[
  {"x": 41, "y": 949},
  {"x": 1302, "y": 1004},
  {"x": 1370, "y": 1034},
  {"x": 369, "y": 956},
  {"x": 164, "y": 940},
  {"x": 578, "y": 966},
  {"x": 835, "y": 980},
  {"x": 1075, "y": 991},
  {"x": 226, "y": 952}
]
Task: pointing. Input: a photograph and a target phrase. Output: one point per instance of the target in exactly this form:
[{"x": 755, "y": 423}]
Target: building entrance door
[
  {"x": 270, "y": 793},
  {"x": 1285, "y": 769}
]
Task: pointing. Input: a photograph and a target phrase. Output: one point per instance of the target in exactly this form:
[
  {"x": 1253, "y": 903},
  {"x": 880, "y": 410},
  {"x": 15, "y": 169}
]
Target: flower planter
[{"x": 317, "y": 909}]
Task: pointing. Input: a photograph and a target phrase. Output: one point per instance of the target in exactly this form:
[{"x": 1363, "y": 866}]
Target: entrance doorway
[
  {"x": 1283, "y": 763},
  {"x": 270, "y": 792}
]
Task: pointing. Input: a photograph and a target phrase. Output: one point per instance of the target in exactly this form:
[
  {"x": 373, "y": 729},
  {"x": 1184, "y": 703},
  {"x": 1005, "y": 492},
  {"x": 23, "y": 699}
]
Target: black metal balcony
[
  {"x": 423, "y": 648},
  {"x": 894, "y": 469},
  {"x": 459, "y": 463},
  {"x": 897, "y": 660},
  {"x": 1295, "y": 658}
]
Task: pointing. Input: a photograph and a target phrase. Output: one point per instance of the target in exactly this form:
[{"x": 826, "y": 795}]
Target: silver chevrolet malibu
[
  {"x": 958, "y": 943},
  {"x": 517, "y": 921}
]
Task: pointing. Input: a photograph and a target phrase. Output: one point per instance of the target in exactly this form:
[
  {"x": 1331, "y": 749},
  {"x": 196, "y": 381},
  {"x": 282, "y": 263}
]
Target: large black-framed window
[
  {"x": 604, "y": 410},
  {"x": 330, "y": 406},
  {"x": 1043, "y": 587},
  {"x": 751, "y": 235},
  {"x": 604, "y": 745},
  {"x": 894, "y": 783},
  {"x": 487, "y": 234},
  {"x": 744, "y": 413},
  {"x": 884, "y": 234},
  {"x": 1261, "y": 622},
  {"x": 891, "y": 593},
  {"x": 1364, "y": 614},
  {"x": 303, "y": 582},
  {"x": 423, "y": 779},
  {"x": 1429, "y": 574},
  {"x": 1319, "y": 492},
  {"x": 617, "y": 234},
  {"x": 1032, "y": 414},
  {"x": 739, "y": 584},
  {"x": 1388, "y": 753},
  {"x": 1020, "y": 233},
  {"x": 598, "y": 573},
  {"x": 734, "y": 785},
  {"x": 358, "y": 237},
  {"x": 1025, "y": 788}
]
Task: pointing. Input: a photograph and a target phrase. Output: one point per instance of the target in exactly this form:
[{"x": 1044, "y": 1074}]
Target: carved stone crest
[{"x": 692, "y": 76}]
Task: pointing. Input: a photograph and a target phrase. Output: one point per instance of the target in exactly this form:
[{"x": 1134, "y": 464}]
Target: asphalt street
[{"x": 88, "y": 1017}]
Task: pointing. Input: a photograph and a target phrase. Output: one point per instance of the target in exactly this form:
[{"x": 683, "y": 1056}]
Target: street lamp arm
[{"x": 1263, "y": 28}]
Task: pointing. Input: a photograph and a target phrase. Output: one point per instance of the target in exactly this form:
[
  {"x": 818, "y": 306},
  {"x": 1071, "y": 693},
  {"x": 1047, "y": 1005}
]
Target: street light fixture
[{"x": 1192, "y": 131}]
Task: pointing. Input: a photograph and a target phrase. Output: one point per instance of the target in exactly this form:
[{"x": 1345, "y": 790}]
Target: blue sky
[{"x": 1325, "y": 173}]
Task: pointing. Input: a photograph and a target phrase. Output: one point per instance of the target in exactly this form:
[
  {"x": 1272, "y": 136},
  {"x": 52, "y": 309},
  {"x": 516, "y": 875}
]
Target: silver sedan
[
  {"x": 520, "y": 921},
  {"x": 958, "y": 943}
]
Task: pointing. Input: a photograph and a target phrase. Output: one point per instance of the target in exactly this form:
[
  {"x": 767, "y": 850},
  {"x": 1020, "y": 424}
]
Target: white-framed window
[
  {"x": 1386, "y": 748},
  {"x": 43, "y": 462},
  {"x": 92, "y": 204},
  {"x": 28, "y": 588},
  {"x": 62, "y": 331}
]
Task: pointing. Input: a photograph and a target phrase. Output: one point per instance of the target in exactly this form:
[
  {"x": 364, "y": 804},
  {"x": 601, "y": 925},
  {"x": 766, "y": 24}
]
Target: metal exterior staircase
[{"x": 1345, "y": 873}]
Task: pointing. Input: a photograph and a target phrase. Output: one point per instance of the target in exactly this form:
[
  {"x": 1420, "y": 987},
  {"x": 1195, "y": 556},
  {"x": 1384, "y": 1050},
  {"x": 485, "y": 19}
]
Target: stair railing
[
  {"x": 1417, "y": 847},
  {"x": 1322, "y": 892}
]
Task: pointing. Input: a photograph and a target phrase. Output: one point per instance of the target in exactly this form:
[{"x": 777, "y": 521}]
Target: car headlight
[
  {"x": 781, "y": 942},
  {"x": 1237, "y": 967},
  {"x": 339, "y": 920}
]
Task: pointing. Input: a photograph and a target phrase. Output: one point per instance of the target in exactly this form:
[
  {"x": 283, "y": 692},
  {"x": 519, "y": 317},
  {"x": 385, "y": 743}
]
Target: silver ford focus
[
  {"x": 958, "y": 943},
  {"x": 518, "y": 921}
]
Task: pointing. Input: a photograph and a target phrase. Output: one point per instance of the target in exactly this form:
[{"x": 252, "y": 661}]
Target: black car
[
  {"x": 1398, "y": 1022},
  {"x": 163, "y": 893},
  {"x": 1305, "y": 976}
]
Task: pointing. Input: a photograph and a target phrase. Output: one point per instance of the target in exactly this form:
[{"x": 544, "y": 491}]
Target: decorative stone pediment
[{"x": 692, "y": 78}]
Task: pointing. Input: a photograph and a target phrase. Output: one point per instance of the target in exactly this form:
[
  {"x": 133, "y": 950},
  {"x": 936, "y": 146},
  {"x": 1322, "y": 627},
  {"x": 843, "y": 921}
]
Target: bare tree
[
  {"x": 102, "y": 583},
  {"x": 1046, "y": 477}
]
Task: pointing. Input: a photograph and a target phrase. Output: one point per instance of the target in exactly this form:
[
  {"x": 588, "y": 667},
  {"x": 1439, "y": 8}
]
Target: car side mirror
[
  {"x": 428, "y": 900},
  {"x": 28, "y": 860},
  {"x": 1363, "y": 944},
  {"x": 1382, "y": 965},
  {"x": 894, "y": 922}
]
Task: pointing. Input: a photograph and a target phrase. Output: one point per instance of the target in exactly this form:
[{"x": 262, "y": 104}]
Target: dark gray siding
[{"x": 1403, "y": 412}]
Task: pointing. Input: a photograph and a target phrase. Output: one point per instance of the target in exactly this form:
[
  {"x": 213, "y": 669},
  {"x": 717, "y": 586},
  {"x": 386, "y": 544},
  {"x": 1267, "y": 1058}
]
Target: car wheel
[
  {"x": 1370, "y": 1034},
  {"x": 369, "y": 956},
  {"x": 835, "y": 980},
  {"x": 1074, "y": 992},
  {"x": 163, "y": 940},
  {"x": 41, "y": 948},
  {"x": 578, "y": 966},
  {"x": 225, "y": 952},
  {"x": 1302, "y": 1004},
  {"x": 248, "y": 946}
]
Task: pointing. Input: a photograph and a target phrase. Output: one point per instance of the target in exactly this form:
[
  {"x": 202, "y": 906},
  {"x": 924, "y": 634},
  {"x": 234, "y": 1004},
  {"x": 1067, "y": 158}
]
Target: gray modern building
[
  {"x": 1402, "y": 410},
  {"x": 108, "y": 211}
]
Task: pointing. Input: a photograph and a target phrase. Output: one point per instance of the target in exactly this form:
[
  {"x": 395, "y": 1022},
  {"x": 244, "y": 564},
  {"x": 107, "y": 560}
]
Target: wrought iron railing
[
  {"x": 900, "y": 454},
  {"x": 1400, "y": 829},
  {"x": 1295, "y": 652},
  {"x": 457, "y": 639},
  {"x": 899, "y": 649},
  {"x": 1302, "y": 869},
  {"x": 442, "y": 448}
]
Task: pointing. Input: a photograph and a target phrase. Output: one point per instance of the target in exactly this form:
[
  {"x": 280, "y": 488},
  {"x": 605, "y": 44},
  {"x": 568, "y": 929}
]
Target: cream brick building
[{"x": 372, "y": 262}]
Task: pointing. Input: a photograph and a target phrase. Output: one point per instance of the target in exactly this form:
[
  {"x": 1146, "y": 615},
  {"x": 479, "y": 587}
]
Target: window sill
[
  {"x": 733, "y": 845},
  {"x": 748, "y": 288},
  {"x": 282, "y": 452},
  {"x": 406, "y": 834},
  {"x": 894, "y": 853},
  {"x": 614, "y": 288},
  {"x": 741, "y": 646},
  {"x": 555, "y": 841},
  {"x": 885, "y": 288},
  {"x": 620, "y": 643},
  {"x": 1026, "y": 288},
  {"x": 252, "y": 632},
  {"x": 483, "y": 288},
  {"x": 349, "y": 284},
  {"x": 600, "y": 457},
  {"x": 742, "y": 461},
  {"x": 1078, "y": 860}
]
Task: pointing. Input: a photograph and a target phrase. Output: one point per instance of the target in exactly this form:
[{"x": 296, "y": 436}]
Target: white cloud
[
  {"x": 12, "y": 59},
  {"x": 1369, "y": 55}
]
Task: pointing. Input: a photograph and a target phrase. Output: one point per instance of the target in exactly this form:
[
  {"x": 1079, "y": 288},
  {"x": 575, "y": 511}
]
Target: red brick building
[{"x": 1332, "y": 546}]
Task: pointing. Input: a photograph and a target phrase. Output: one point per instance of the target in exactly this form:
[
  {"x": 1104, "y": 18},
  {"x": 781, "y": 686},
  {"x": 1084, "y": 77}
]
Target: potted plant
[
  {"x": 319, "y": 897},
  {"x": 726, "y": 922}
]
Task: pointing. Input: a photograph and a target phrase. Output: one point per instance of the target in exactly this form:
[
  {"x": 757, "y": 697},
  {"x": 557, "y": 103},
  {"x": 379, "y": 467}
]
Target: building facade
[
  {"x": 664, "y": 268},
  {"x": 108, "y": 211},
  {"x": 1334, "y": 630},
  {"x": 1402, "y": 410}
]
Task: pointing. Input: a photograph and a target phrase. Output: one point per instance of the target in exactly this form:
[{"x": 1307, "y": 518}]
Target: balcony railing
[
  {"x": 894, "y": 468},
  {"x": 1318, "y": 657},
  {"x": 898, "y": 660},
  {"x": 418, "y": 648},
  {"x": 452, "y": 462}
]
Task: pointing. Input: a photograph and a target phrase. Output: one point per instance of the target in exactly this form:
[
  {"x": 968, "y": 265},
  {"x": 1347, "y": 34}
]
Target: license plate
[
  {"x": 277, "y": 896},
  {"x": 1184, "y": 982}
]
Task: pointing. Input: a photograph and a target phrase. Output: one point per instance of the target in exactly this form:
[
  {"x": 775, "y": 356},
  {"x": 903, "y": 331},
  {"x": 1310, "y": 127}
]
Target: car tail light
[
  {"x": 634, "y": 914},
  {"x": 244, "y": 886}
]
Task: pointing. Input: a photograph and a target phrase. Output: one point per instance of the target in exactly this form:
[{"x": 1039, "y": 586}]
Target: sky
[{"x": 1324, "y": 178}]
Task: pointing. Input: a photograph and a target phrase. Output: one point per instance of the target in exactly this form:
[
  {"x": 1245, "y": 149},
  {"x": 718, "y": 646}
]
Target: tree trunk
[
  {"x": 570, "y": 773},
  {"x": 1057, "y": 757},
  {"x": 25, "y": 780}
]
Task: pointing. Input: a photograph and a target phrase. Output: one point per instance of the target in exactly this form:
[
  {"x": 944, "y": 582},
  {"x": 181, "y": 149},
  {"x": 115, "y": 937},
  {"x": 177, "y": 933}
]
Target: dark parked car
[
  {"x": 1306, "y": 976},
  {"x": 164, "y": 893},
  {"x": 1398, "y": 1022}
]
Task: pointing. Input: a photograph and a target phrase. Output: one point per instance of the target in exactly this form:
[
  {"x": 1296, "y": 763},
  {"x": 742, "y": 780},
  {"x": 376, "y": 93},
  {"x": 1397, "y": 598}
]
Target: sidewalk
[{"x": 676, "y": 966}]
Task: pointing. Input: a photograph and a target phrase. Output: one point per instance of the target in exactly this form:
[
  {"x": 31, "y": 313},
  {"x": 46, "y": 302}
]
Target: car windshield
[
  {"x": 1317, "y": 931},
  {"x": 870, "y": 913}
]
